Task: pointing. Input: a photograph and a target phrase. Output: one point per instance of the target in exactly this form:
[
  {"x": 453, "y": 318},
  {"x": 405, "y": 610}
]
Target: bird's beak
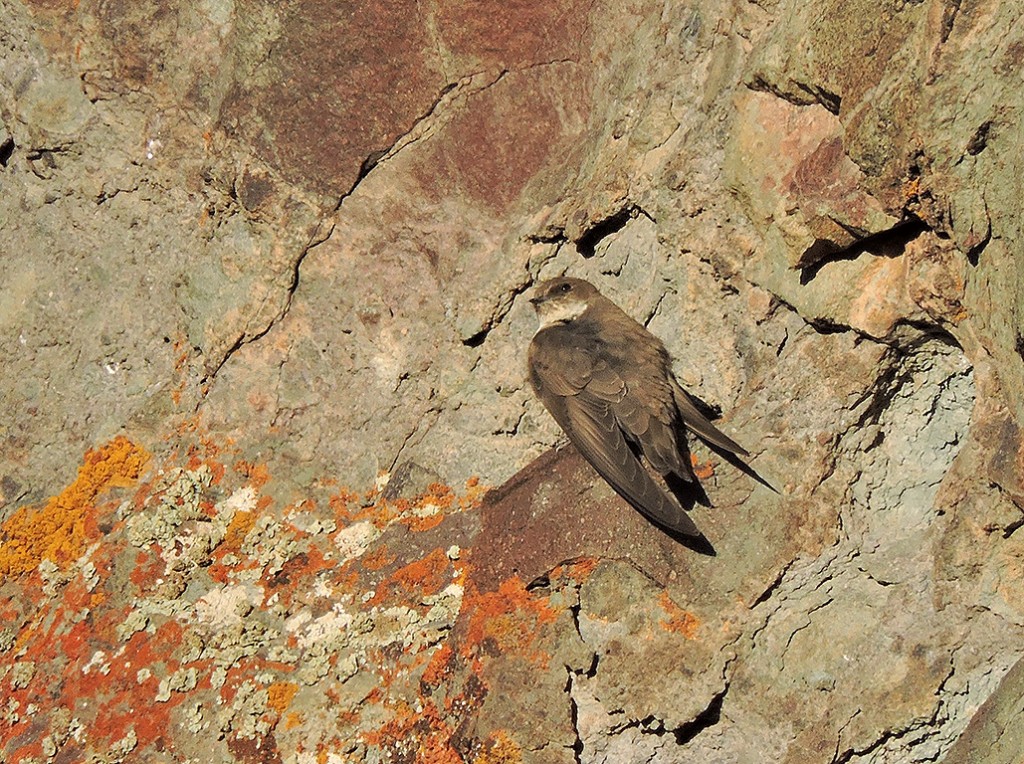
[{"x": 535, "y": 301}]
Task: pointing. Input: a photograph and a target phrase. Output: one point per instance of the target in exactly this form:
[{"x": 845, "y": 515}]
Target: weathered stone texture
[{"x": 265, "y": 266}]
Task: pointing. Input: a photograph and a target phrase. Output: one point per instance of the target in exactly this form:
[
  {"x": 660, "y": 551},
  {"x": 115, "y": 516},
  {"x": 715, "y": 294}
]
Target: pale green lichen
[
  {"x": 193, "y": 715},
  {"x": 271, "y": 544},
  {"x": 353, "y": 540},
  {"x": 120, "y": 749},
  {"x": 181, "y": 680},
  {"x": 245, "y": 716},
  {"x": 21, "y": 674},
  {"x": 176, "y": 497},
  {"x": 134, "y": 621},
  {"x": 53, "y": 577}
]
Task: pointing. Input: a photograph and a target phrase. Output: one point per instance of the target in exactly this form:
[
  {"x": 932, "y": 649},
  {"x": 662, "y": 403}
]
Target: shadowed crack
[
  {"x": 949, "y": 13},
  {"x": 422, "y": 427},
  {"x": 501, "y": 309},
  {"x": 574, "y": 717},
  {"x": 774, "y": 585},
  {"x": 800, "y": 580},
  {"x": 587, "y": 243},
  {"x": 6, "y": 149},
  {"x": 553, "y": 236},
  {"x": 376, "y": 157},
  {"x": 467, "y": 85},
  {"x": 804, "y": 94},
  {"x": 706, "y": 719},
  {"x": 684, "y": 733},
  {"x": 909, "y": 738},
  {"x": 889, "y": 243}
]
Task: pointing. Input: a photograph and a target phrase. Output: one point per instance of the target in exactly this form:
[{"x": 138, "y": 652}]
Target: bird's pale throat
[{"x": 559, "y": 312}]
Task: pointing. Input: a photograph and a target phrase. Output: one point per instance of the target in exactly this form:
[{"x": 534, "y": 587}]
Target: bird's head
[{"x": 562, "y": 300}]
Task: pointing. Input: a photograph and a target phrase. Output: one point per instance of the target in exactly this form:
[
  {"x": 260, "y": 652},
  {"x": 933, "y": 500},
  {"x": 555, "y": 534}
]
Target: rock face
[{"x": 264, "y": 323}]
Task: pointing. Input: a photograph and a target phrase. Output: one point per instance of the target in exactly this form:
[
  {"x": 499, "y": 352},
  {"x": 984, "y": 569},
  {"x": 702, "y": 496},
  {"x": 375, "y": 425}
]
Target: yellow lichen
[
  {"x": 280, "y": 694},
  {"x": 58, "y": 531},
  {"x": 501, "y": 749}
]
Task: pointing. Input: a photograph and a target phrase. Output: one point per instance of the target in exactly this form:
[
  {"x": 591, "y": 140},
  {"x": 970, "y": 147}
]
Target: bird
[{"x": 608, "y": 383}]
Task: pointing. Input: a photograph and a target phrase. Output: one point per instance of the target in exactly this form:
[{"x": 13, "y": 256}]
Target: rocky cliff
[{"x": 264, "y": 323}]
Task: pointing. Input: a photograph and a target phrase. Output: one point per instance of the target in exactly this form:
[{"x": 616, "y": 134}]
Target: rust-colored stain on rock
[{"x": 318, "y": 136}]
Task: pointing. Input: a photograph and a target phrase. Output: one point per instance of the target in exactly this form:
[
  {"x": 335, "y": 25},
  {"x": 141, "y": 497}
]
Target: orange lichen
[
  {"x": 378, "y": 558},
  {"x": 298, "y": 569},
  {"x": 437, "y": 750},
  {"x": 425, "y": 523},
  {"x": 241, "y": 523},
  {"x": 74, "y": 663},
  {"x": 439, "y": 494},
  {"x": 181, "y": 356},
  {"x": 577, "y": 570},
  {"x": 148, "y": 570},
  {"x": 509, "y": 617},
  {"x": 426, "y": 576},
  {"x": 426, "y": 730},
  {"x": 911, "y": 190},
  {"x": 280, "y": 694},
  {"x": 475, "y": 491},
  {"x": 59, "y": 530},
  {"x": 677, "y": 620},
  {"x": 343, "y": 504},
  {"x": 702, "y": 471},
  {"x": 257, "y": 474},
  {"x": 102, "y": 650},
  {"x": 439, "y": 667},
  {"x": 421, "y": 513}
]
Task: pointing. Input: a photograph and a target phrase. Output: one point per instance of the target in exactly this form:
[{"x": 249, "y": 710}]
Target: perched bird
[{"x": 608, "y": 383}]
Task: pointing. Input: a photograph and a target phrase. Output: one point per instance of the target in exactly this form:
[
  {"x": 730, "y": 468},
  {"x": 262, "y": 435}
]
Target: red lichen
[
  {"x": 378, "y": 558},
  {"x": 425, "y": 735},
  {"x": 295, "y": 574},
  {"x": 254, "y": 750},
  {"x": 60, "y": 530},
  {"x": 85, "y": 661}
]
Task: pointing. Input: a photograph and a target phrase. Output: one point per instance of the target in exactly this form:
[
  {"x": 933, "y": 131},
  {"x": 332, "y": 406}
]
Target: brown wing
[
  {"x": 648, "y": 414},
  {"x": 590, "y": 403},
  {"x": 699, "y": 424}
]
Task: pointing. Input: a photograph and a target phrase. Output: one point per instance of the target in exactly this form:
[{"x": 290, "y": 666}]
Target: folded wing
[{"x": 590, "y": 402}]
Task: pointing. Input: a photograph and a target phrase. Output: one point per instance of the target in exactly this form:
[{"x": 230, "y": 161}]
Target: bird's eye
[{"x": 565, "y": 288}]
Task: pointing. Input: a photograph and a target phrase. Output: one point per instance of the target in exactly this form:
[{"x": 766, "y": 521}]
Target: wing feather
[
  {"x": 701, "y": 426},
  {"x": 593, "y": 429}
]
